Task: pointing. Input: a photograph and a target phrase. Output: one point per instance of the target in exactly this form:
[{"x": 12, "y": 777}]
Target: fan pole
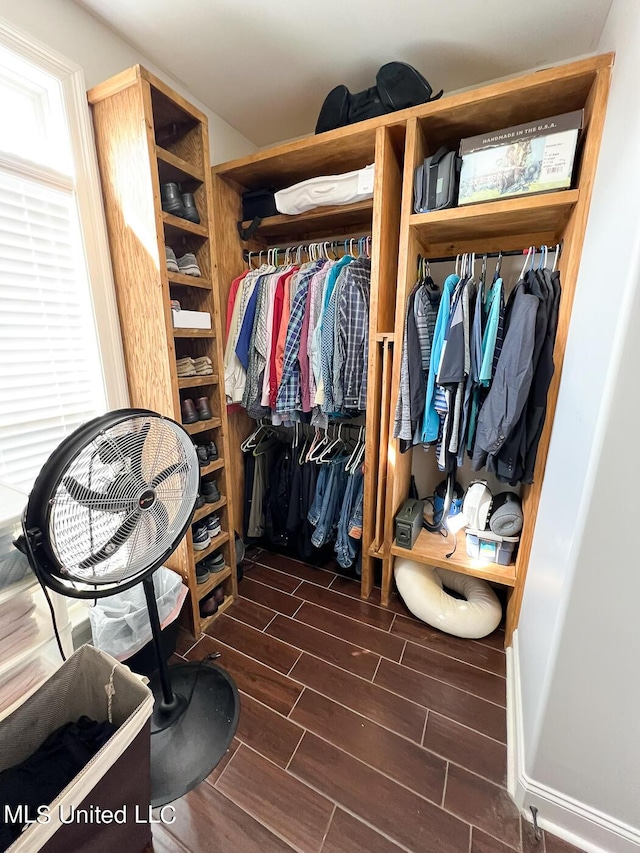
[{"x": 170, "y": 700}]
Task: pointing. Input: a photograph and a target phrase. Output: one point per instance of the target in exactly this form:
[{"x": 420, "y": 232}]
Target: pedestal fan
[{"x": 108, "y": 508}]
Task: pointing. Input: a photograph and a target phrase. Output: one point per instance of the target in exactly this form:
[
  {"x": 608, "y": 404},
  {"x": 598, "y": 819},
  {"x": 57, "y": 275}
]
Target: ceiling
[{"x": 265, "y": 66}]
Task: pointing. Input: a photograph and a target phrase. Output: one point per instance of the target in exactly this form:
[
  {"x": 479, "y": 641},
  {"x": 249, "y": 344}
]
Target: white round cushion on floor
[{"x": 421, "y": 588}]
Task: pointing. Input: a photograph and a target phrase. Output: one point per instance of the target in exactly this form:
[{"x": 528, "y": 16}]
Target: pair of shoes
[
  {"x": 213, "y": 525},
  {"x": 207, "y": 453},
  {"x": 179, "y": 204},
  {"x": 210, "y": 491},
  {"x": 193, "y": 412},
  {"x": 210, "y": 604},
  {"x": 201, "y": 538},
  {"x": 214, "y": 562},
  {"x": 187, "y": 264},
  {"x": 202, "y": 572}
]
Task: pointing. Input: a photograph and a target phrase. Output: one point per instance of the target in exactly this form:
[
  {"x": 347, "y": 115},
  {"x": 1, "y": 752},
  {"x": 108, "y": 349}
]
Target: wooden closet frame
[
  {"x": 397, "y": 143},
  {"x": 127, "y": 111}
]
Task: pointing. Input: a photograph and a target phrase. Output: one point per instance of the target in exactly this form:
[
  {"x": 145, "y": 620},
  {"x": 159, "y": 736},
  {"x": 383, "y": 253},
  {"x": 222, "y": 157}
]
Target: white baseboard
[{"x": 573, "y": 821}]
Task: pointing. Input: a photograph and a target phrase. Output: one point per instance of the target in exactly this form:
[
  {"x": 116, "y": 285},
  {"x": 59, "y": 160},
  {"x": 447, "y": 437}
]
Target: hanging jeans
[
  {"x": 331, "y": 503},
  {"x": 321, "y": 487},
  {"x": 347, "y": 548},
  {"x": 355, "y": 520}
]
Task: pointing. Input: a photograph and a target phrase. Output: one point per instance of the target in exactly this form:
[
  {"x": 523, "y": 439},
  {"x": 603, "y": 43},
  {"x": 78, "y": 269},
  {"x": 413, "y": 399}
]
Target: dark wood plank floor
[{"x": 361, "y": 730}]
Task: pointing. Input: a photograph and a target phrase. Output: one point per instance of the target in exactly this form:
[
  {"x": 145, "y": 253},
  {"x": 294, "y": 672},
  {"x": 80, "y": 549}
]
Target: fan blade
[
  {"x": 168, "y": 472},
  {"x": 95, "y": 500},
  {"x": 161, "y": 518},
  {"x": 136, "y": 460},
  {"x": 115, "y": 543}
]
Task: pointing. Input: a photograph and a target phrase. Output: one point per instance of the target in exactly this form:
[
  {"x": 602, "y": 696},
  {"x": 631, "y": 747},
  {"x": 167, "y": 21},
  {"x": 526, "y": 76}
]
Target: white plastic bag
[{"x": 120, "y": 623}]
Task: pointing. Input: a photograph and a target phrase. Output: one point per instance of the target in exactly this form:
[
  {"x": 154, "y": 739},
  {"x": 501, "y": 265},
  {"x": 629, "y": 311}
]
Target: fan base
[{"x": 187, "y": 750}]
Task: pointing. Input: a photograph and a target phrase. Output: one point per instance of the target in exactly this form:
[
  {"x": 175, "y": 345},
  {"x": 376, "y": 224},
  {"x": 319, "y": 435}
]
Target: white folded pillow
[{"x": 327, "y": 190}]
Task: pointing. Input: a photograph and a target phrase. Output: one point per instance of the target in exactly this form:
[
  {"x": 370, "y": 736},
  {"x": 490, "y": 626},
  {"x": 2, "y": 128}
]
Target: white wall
[
  {"x": 70, "y": 30},
  {"x": 579, "y": 634}
]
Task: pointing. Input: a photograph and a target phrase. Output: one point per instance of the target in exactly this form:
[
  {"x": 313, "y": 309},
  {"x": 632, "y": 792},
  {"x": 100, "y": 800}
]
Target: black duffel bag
[{"x": 398, "y": 86}]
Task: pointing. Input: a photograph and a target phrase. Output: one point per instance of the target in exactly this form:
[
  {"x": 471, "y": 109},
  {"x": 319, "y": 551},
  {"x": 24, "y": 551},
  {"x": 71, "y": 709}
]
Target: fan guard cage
[{"x": 122, "y": 502}]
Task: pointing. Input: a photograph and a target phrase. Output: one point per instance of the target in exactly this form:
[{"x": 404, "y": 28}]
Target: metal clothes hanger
[
  {"x": 555, "y": 257},
  {"x": 526, "y": 260}
]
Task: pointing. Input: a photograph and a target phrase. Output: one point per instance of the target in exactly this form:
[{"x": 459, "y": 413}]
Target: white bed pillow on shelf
[{"x": 326, "y": 190}]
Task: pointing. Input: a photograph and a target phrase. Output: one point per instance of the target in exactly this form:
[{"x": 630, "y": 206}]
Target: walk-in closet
[{"x": 317, "y": 352}]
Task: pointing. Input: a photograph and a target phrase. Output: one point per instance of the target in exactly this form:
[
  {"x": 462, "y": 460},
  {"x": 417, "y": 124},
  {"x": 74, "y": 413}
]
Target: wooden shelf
[
  {"x": 432, "y": 549},
  {"x": 493, "y": 225},
  {"x": 176, "y": 228},
  {"x": 202, "y": 426},
  {"x": 194, "y": 333},
  {"x": 188, "y": 280},
  {"x": 320, "y": 220},
  {"x": 215, "y": 579},
  {"x": 216, "y": 465},
  {"x": 207, "y": 509},
  {"x": 217, "y": 542},
  {"x": 205, "y": 623},
  {"x": 173, "y": 168},
  {"x": 198, "y": 381}
]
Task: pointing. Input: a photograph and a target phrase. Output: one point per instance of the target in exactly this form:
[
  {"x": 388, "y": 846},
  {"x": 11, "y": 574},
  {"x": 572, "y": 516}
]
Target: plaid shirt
[
  {"x": 289, "y": 398},
  {"x": 350, "y": 380}
]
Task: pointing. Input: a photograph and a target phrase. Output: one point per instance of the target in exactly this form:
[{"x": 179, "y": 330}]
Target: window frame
[{"x": 90, "y": 203}]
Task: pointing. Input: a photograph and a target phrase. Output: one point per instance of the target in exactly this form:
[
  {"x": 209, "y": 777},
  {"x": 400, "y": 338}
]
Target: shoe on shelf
[
  {"x": 203, "y": 454},
  {"x": 203, "y": 409},
  {"x": 213, "y": 525},
  {"x": 201, "y": 538},
  {"x": 212, "y": 451},
  {"x": 172, "y": 261},
  {"x": 208, "y": 606},
  {"x": 188, "y": 265},
  {"x": 210, "y": 491},
  {"x": 172, "y": 200},
  {"x": 189, "y": 414},
  {"x": 215, "y": 562},
  {"x": 202, "y": 573},
  {"x": 199, "y": 502},
  {"x": 190, "y": 209},
  {"x": 218, "y": 594}
]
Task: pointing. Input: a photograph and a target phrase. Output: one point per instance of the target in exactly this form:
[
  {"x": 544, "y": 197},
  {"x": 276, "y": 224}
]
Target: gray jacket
[{"x": 512, "y": 381}]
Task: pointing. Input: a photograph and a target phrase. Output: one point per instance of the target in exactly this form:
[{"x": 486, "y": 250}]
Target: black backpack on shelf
[{"x": 398, "y": 86}]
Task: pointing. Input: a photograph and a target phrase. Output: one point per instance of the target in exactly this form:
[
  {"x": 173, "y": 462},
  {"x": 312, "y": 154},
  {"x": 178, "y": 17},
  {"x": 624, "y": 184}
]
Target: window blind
[{"x": 50, "y": 372}]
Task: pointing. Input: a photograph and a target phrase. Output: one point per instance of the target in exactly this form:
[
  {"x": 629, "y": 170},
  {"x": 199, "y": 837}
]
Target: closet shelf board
[
  {"x": 217, "y": 542},
  {"x": 473, "y": 225},
  {"x": 198, "y": 381},
  {"x": 173, "y": 168},
  {"x": 202, "y": 426},
  {"x": 194, "y": 333},
  {"x": 214, "y": 580},
  {"x": 320, "y": 220},
  {"x": 205, "y": 623},
  {"x": 432, "y": 549},
  {"x": 188, "y": 280},
  {"x": 213, "y": 466},
  {"x": 207, "y": 509},
  {"x": 175, "y": 227}
]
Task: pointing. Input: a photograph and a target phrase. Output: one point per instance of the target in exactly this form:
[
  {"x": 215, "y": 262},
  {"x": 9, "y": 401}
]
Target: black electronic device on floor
[{"x": 110, "y": 505}]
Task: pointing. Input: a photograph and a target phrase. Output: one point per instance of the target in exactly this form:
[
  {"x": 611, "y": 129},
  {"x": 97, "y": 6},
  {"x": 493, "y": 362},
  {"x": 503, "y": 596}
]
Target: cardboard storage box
[
  {"x": 529, "y": 158},
  {"x": 191, "y": 319}
]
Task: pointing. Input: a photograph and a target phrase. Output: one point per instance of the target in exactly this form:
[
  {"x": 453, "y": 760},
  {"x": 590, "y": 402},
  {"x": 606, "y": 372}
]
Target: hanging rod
[
  {"x": 304, "y": 247},
  {"x": 509, "y": 253}
]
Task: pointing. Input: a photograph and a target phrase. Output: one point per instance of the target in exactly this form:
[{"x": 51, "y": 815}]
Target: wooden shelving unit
[
  {"x": 146, "y": 135},
  {"x": 332, "y": 153},
  {"x": 397, "y": 143}
]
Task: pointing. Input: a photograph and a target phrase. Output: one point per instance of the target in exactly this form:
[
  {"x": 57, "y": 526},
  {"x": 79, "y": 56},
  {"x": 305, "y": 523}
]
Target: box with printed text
[{"x": 529, "y": 158}]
